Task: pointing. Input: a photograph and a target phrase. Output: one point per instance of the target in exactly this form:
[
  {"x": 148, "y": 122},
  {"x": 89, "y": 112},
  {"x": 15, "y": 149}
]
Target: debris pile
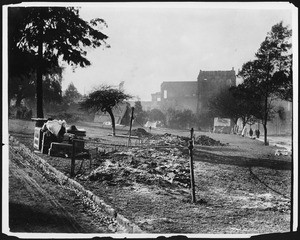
[
  {"x": 207, "y": 141},
  {"x": 140, "y": 132},
  {"x": 148, "y": 166},
  {"x": 163, "y": 161},
  {"x": 283, "y": 152},
  {"x": 169, "y": 139}
]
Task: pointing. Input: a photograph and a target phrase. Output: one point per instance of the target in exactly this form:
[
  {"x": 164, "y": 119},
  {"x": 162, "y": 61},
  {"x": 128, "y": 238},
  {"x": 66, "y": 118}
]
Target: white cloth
[
  {"x": 244, "y": 131},
  {"x": 54, "y": 126}
]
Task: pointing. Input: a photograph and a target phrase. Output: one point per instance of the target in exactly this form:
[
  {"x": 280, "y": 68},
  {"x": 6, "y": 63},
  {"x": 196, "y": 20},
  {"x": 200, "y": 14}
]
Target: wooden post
[
  {"x": 191, "y": 146},
  {"x": 131, "y": 119},
  {"x": 73, "y": 159}
]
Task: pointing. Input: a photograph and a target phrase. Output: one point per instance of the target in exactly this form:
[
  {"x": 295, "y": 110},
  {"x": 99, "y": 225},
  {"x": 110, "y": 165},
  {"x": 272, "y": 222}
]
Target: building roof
[
  {"x": 178, "y": 82},
  {"x": 212, "y": 74}
]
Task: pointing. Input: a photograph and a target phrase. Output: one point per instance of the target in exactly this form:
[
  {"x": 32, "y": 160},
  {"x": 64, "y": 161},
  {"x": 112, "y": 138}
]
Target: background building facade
[
  {"x": 179, "y": 95},
  {"x": 210, "y": 84}
]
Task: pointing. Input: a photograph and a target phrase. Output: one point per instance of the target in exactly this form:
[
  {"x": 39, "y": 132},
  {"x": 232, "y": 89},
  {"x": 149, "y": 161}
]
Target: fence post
[
  {"x": 131, "y": 119},
  {"x": 191, "y": 146},
  {"x": 73, "y": 159}
]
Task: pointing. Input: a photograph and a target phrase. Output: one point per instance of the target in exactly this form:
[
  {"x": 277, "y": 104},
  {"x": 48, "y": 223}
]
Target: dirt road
[{"x": 36, "y": 204}]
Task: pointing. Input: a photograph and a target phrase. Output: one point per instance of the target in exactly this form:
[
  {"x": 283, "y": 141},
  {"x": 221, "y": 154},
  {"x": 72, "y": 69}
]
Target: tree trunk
[
  {"x": 18, "y": 101},
  {"x": 265, "y": 121},
  {"x": 113, "y": 124},
  {"x": 265, "y": 135},
  {"x": 39, "y": 78}
]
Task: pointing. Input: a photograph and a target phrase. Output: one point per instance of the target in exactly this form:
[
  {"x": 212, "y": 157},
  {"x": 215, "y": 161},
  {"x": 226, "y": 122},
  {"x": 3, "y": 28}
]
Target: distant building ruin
[
  {"x": 179, "y": 95},
  {"x": 194, "y": 95},
  {"x": 210, "y": 84}
]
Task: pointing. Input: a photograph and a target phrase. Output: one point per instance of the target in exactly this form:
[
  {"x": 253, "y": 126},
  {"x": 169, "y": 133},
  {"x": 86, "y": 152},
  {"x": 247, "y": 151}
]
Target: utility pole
[
  {"x": 73, "y": 159},
  {"x": 191, "y": 146},
  {"x": 131, "y": 119},
  {"x": 39, "y": 74}
]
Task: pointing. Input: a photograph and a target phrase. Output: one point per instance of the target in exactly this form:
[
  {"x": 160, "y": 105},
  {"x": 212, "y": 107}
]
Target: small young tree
[
  {"x": 248, "y": 103},
  {"x": 186, "y": 118},
  {"x": 225, "y": 105},
  {"x": 71, "y": 94},
  {"x": 105, "y": 98},
  {"x": 157, "y": 115},
  {"x": 180, "y": 119},
  {"x": 140, "y": 114}
]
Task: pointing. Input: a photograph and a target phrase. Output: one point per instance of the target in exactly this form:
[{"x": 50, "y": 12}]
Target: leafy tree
[
  {"x": 186, "y": 118},
  {"x": 156, "y": 115},
  {"x": 285, "y": 80},
  {"x": 44, "y": 34},
  {"x": 23, "y": 87},
  {"x": 140, "y": 114},
  {"x": 180, "y": 118},
  {"x": 52, "y": 86},
  {"x": 71, "y": 94},
  {"x": 105, "y": 98},
  {"x": 247, "y": 103},
  {"x": 264, "y": 75},
  {"x": 225, "y": 105}
]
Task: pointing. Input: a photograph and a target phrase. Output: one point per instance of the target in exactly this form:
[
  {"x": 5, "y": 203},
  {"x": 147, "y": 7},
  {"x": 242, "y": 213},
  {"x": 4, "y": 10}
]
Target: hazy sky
[{"x": 172, "y": 42}]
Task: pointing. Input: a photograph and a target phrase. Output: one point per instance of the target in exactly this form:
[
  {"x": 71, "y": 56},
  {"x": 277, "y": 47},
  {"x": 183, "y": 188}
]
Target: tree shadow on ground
[{"x": 241, "y": 161}]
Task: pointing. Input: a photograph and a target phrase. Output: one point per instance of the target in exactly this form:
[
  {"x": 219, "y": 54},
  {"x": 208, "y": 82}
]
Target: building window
[
  {"x": 165, "y": 94},
  {"x": 158, "y": 99}
]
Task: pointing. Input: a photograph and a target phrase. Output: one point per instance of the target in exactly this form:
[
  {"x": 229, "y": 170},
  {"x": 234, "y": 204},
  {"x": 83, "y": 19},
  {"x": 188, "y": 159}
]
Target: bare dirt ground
[
  {"x": 241, "y": 186},
  {"x": 38, "y": 204}
]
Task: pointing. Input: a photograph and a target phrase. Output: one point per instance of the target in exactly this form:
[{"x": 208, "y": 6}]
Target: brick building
[
  {"x": 210, "y": 84},
  {"x": 179, "y": 95}
]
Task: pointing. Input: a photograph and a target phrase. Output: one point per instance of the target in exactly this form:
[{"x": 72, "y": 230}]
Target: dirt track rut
[{"x": 37, "y": 204}]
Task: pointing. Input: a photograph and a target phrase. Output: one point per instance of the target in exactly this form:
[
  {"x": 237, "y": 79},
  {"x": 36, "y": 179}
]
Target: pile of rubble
[
  {"x": 148, "y": 166},
  {"x": 140, "y": 132},
  {"x": 168, "y": 140},
  {"x": 180, "y": 141},
  {"x": 163, "y": 161},
  {"x": 207, "y": 141}
]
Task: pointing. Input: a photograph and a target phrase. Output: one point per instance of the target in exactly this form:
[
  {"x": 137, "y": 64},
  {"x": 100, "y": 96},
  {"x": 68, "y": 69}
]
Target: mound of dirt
[
  {"x": 207, "y": 141},
  {"x": 169, "y": 140},
  {"x": 140, "y": 132}
]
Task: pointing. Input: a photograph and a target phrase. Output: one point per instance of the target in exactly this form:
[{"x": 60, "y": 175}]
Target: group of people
[{"x": 256, "y": 132}]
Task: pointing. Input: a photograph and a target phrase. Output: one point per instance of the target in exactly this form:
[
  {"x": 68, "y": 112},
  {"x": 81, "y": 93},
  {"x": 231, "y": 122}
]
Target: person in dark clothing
[
  {"x": 257, "y": 133},
  {"x": 250, "y": 132}
]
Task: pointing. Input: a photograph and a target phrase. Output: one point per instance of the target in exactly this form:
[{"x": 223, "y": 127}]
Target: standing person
[
  {"x": 244, "y": 131},
  {"x": 251, "y": 132},
  {"x": 257, "y": 132}
]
